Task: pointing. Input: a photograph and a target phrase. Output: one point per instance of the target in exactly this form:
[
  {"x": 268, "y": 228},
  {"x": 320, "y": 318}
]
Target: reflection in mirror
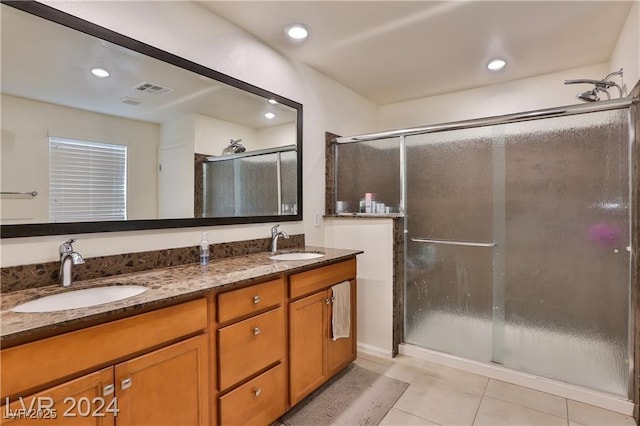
[
  {"x": 249, "y": 182},
  {"x": 132, "y": 135}
]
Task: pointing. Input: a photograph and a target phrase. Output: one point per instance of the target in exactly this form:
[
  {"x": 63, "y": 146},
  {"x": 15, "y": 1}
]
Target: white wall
[
  {"x": 284, "y": 134},
  {"x": 26, "y": 127},
  {"x": 200, "y": 36},
  {"x": 176, "y": 171},
  {"x": 528, "y": 94},
  {"x": 375, "y": 276},
  {"x": 627, "y": 51}
]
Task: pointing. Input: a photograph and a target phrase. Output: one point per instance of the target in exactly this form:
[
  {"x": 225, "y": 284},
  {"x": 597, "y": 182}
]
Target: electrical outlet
[{"x": 316, "y": 219}]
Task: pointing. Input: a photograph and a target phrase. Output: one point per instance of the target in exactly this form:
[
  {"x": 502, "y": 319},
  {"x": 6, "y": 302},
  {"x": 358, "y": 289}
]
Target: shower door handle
[{"x": 453, "y": 243}]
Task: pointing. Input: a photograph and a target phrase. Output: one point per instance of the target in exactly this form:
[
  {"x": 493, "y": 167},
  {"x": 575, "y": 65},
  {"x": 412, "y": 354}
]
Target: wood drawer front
[
  {"x": 258, "y": 402},
  {"x": 48, "y": 360},
  {"x": 245, "y": 301},
  {"x": 320, "y": 278},
  {"x": 249, "y": 346}
]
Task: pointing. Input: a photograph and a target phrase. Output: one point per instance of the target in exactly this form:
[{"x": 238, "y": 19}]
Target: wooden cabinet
[
  {"x": 240, "y": 357},
  {"x": 314, "y": 356},
  {"x": 165, "y": 387},
  {"x": 141, "y": 386},
  {"x": 67, "y": 404},
  {"x": 252, "y": 354},
  {"x": 308, "y": 345}
]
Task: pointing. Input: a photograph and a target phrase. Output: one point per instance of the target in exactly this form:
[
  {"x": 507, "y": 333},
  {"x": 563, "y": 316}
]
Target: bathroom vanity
[{"x": 239, "y": 341}]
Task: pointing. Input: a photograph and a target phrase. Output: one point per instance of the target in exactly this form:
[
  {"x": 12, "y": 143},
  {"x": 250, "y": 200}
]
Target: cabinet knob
[
  {"x": 126, "y": 383},
  {"x": 108, "y": 390},
  {"x": 256, "y": 300},
  {"x": 257, "y": 392},
  {"x": 256, "y": 331}
]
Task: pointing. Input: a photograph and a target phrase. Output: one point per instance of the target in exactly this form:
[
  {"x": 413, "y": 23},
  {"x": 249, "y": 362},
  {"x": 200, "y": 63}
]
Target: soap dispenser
[{"x": 204, "y": 250}]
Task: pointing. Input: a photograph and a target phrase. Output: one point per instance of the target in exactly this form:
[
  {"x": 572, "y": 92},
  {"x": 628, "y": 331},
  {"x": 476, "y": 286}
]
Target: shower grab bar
[
  {"x": 453, "y": 243},
  {"x": 19, "y": 194}
]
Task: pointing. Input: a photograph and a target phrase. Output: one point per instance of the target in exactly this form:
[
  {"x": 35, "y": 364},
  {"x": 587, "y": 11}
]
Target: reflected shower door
[
  {"x": 449, "y": 258},
  {"x": 566, "y": 305}
]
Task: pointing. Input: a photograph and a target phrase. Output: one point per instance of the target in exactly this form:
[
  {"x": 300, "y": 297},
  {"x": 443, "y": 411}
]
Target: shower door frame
[{"x": 633, "y": 110}]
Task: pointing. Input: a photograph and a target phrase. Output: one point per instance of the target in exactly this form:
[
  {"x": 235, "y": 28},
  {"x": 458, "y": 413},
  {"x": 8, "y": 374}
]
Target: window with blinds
[{"x": 87, "y": 181}]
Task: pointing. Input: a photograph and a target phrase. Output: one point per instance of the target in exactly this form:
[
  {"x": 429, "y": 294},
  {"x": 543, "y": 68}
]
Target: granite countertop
[{"x": 164, "y": 285}]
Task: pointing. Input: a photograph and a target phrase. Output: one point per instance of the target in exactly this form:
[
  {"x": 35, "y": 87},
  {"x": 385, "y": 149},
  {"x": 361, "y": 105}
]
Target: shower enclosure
[
  {"x": 517, "y": 238},
  {"x": 253, "y": 183}
]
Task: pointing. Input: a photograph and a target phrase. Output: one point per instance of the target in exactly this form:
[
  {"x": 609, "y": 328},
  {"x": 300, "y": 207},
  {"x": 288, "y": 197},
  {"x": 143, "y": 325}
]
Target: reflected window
[{"x": 87, "y": 180}]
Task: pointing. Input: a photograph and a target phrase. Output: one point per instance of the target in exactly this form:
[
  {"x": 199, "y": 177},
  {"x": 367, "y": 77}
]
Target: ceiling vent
[
  {"x": 156, "y": 89},
  {"x": 130, "y": 101}
]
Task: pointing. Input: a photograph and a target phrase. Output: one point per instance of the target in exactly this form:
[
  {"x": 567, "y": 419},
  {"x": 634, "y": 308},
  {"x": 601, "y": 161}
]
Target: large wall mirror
[{"x": 161, "y": 142}]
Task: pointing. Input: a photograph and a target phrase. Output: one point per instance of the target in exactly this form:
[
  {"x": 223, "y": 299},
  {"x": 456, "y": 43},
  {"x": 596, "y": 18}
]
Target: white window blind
[{"x": 87, "y": 181}]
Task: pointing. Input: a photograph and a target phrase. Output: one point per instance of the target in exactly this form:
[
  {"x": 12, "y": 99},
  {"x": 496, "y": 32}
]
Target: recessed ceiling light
[
  {"x": 269, "y": 115},
  {"x": 496, "y": 64},
  {"x": 100, "y": 72},
  {"x": 273, "y": 102},
  {"x": 296, "y": 31}
]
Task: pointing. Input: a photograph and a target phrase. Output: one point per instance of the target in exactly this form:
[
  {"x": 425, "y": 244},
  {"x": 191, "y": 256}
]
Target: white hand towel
[{"x": 341, "y": 312}]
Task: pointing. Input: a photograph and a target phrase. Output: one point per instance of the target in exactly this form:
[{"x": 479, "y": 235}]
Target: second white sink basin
[
  {"x": 296, "y": 256},
  {"x": 80, "y": 298}
]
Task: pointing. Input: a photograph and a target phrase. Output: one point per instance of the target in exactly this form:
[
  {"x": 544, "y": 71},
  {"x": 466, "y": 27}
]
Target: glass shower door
[
  {"x": 567, "y": 265},
  {"x": 449, "y": 259},
  {"x": 518, "y": 248}
]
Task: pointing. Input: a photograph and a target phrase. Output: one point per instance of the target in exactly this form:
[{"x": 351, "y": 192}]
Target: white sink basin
[
  {"x": 80, "y": 298},
  {"x": 296, "y": 256}
]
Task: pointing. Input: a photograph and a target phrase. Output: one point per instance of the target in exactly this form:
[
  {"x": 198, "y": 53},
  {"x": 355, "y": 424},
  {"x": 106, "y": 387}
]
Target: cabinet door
[
  {"x": 342, "y": 352},
  {"x": 165, "y": 387},
  {"x": 308, "y": 345},
  {"x": 87, "y": 400}
]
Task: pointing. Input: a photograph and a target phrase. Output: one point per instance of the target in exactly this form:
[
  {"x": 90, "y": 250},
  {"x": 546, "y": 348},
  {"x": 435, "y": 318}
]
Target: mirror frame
[{"x": 59, "y": 228}]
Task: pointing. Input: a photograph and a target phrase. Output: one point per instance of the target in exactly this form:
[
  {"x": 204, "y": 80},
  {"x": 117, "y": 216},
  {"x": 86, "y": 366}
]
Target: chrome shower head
[
  {"x": 600, "y": 86},
  {"x": 589, "y": 96}
]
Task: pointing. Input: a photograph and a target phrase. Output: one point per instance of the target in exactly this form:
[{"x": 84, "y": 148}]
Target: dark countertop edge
[{"x": 64, "y": 326}]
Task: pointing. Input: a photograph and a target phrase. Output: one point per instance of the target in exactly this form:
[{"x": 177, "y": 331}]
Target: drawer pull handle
[
  {"x": 257, "y": 392},
  {"x": 256, "y": 300},
  {"x": 329, "y": 300},
  {"x": 256, "y": 331},
  {"x": 108, "y": 390},
  {"x": 126, "y": 383}
]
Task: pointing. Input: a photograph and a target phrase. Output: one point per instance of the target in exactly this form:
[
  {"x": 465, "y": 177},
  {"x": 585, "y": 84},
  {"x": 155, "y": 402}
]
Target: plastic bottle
[{"x": 204, "y": 250}]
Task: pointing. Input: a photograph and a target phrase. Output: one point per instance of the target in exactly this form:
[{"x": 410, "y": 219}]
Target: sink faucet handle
[
  {"x": 274, "y": 230},
  {"x": 66, "y": 247}
]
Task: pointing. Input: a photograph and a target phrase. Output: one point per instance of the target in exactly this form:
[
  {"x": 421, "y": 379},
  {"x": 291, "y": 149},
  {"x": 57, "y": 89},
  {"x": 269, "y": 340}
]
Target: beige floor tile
[
  {"x": 496, "y": 412},
  {"x": 594, "y": 416},
  {"x": 441, "y": 405},
  {"x": 520, "y": 395},
  {"x": 397, "y": 417},
  {"x": 378, "y": 359},
  {"x": 434, "y": 375},
  {"x": 398, "y": 370}
]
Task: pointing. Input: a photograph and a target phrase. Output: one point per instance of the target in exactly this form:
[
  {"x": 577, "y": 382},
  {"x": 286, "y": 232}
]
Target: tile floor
[{"x": 439, "y": 395}]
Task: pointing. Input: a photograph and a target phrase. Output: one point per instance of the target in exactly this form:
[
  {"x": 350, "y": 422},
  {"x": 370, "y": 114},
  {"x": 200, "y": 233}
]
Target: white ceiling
[
  {"x": 392, "y": 51},
  {"x": 47, "y": 62}
]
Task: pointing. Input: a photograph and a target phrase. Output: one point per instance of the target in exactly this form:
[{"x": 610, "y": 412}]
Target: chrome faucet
[
  {"x": 274, "y": 238},
  {"x": 68, "y": 258}
]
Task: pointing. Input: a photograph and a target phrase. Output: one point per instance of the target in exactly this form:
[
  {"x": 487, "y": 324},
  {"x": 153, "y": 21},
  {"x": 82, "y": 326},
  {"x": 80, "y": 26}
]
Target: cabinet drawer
[
  {"x": 320, "y": 278},
  {"x": 249, "y": 346},
  {"x": 238, "y": 303},
  {"x": 258, "y": 402}
]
